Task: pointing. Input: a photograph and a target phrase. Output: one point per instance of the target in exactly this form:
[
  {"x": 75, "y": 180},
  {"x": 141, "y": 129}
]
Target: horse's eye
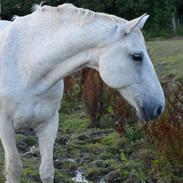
[{"x": 137, "y": 57}]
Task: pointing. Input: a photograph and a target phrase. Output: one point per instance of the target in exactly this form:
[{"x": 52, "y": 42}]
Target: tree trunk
[{"x": 174, "y": 26}]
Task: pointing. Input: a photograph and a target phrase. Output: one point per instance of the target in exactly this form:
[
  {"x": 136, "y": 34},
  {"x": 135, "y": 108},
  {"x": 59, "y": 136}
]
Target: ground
[{"x": 102, "y": 153}]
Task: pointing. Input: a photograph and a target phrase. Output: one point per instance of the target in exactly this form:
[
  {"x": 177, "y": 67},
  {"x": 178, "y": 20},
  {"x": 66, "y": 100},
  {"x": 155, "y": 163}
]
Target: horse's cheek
[{"x": 115, "y": 75}]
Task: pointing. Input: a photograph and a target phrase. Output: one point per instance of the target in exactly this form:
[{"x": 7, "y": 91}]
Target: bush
[{"x": 167, "y": 132}]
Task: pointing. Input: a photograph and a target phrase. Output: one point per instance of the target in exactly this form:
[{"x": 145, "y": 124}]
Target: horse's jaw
[{"x": 149, "y": 106}]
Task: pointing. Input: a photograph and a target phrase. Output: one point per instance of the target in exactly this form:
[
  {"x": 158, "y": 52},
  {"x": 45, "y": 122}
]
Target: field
[
  {"x": 101, "y": 154},
  {"x": 167, "y": 57}
]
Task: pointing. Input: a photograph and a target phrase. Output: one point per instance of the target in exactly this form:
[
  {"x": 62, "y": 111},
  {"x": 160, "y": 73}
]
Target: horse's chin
[{"x": 143, "y": 117}]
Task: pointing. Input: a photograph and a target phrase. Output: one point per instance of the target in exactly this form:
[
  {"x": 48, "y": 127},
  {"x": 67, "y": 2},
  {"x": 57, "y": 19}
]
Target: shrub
[
  {"x": 167, "y": 132},
  {"x": 93, "y": 95}
]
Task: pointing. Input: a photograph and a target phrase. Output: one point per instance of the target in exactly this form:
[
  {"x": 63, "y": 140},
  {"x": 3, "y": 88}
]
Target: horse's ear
[{"x": 136, "y": 23}]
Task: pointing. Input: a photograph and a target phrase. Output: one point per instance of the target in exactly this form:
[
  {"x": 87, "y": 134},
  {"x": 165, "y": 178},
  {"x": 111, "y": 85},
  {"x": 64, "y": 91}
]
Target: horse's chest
[
  {"x": 32, "y": 114},
  {"x": 26, "y": 110}
]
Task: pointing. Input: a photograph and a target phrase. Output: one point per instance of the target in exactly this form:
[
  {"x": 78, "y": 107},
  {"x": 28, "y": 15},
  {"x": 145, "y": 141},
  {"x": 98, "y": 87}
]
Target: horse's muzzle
[{"x": 151, "y": 112}]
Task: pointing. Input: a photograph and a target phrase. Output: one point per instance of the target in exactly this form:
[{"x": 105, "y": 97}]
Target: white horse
[
  {"x": 38, "y": 50},
  {"x": 4, "y": 24}
]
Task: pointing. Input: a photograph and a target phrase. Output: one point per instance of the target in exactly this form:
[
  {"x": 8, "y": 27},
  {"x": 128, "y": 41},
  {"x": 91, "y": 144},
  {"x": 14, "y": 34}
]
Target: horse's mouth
[{"x": 143, "y": 115}]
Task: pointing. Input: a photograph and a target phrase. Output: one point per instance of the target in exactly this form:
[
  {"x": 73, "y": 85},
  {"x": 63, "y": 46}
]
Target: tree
[{"x": 161, "y": 11}]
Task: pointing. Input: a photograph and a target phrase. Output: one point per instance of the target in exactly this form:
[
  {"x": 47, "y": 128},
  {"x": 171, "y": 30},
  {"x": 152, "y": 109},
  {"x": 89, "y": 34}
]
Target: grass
[
  {"x": 167, "y": 56},
  {"x": 96, "y": 151},
  {"x": 1, "y": 162}
]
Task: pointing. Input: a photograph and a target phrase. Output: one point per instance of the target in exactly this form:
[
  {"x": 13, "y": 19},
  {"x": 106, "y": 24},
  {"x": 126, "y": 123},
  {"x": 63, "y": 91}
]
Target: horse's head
[{"x": 126, "y": 66}]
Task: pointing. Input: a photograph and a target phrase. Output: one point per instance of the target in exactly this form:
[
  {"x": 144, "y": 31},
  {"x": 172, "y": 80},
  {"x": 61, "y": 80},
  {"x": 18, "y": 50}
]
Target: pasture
[
  {"x": 98, "y": 152},
  {"x": 167, "y": 57}
]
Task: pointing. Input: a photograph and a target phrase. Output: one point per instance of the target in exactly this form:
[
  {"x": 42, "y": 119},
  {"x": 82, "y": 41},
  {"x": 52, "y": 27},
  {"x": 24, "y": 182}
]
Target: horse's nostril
[
  {"x": 151, "y": 112},
  {"x": 159, "y": 111}
]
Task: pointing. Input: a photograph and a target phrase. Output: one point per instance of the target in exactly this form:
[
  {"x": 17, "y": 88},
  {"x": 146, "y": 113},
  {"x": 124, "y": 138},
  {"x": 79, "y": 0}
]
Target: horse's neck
[
  {"x": 48, "y": 51},
  {"x": 4, "y": 24}
]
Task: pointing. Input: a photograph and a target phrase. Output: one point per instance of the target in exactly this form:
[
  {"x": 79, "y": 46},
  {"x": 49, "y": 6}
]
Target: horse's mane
[{"x": 73, "y": 11}]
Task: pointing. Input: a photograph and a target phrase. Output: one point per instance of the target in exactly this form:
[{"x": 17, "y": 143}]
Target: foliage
[
  {"x": 120, "y": 109},
  {"x": 1, "y": 162},
  {"x": 161, "y": 11},
  {"x": 69, "y": 83},
  {"x": 101, "y": 100},
  {"x": 167, "y": 132},
  {"x": 93, "y": 93}
]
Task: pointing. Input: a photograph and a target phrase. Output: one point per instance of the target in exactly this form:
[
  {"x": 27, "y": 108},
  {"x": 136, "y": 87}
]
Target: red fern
[{"x": 167, "y": 132}]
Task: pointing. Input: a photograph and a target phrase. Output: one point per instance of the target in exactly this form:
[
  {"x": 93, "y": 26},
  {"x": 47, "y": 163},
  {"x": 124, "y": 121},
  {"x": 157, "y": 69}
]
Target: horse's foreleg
[
  {"x": 47, "y": 135},
  {"x": 13, "y": 164}
]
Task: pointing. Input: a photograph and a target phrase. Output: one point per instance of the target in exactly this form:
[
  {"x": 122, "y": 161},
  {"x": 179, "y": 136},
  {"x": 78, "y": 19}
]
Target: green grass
[
  {"x": 167, "y": 56},
  {"x": 1, "y": 162},
  {"x": 96, "y": 151}
]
